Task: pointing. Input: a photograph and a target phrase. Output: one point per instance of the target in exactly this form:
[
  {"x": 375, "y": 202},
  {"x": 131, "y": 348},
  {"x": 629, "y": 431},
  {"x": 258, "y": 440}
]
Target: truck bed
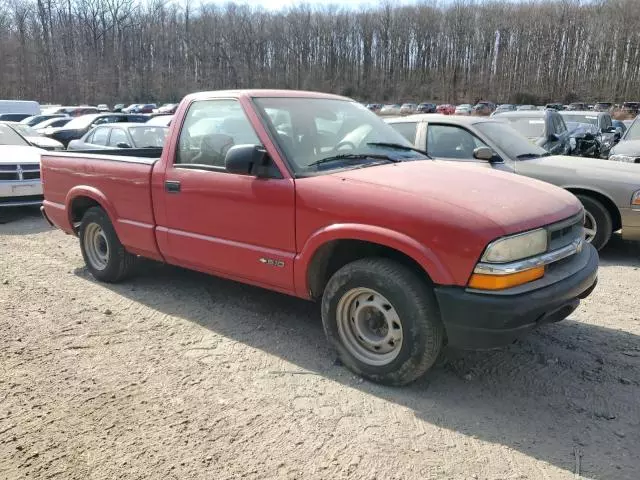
[{"x": 115, "y": 179}]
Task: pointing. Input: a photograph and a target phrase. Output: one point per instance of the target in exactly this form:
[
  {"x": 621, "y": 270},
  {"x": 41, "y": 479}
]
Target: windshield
[
  {"x": 146, "y": 137},
  {"x": 81, "y": 122},
  {"x": 581, "y": 118},
  {"x": 530, "y": 127},
  {"x": 9, "y": 137},
  {"x": 633, "y": 133},
  {"x": 311, "y": 129},
  {"x": 509, "y": 140}
]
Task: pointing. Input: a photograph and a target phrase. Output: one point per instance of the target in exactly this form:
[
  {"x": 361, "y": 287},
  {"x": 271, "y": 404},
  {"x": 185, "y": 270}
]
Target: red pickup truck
[{"x": 313, "y": 195}]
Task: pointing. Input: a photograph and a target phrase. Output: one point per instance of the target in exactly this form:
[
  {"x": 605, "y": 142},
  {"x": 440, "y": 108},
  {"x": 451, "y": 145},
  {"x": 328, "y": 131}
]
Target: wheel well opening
[
  {"x": 605, "y": 201},
  {"x": 336, "y": 254},
  {"x": 79, "y": 206}
]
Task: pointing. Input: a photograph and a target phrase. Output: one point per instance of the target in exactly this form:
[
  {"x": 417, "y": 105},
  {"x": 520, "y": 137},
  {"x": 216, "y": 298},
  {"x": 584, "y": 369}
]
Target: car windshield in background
[
  {"x": 530, "y": 127},
  {"x": 318, "y": 135},
  {"x": 148, "y": 137},
  {"x": 633, "y": 133},
  {"x": 510, "y": 141},
  {"x": 9, "y": 137},
  {"x": 591, "y": 119}
]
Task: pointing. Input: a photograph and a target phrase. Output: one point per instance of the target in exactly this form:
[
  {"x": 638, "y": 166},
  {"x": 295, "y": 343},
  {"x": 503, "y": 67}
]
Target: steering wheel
[{"x": 344, "y": 143}]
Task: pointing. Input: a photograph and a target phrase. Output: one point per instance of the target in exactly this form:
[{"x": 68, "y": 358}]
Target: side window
[
  {"x": 100, "y": 136},
  {"x": 449, "y": 141},
  {"x": 210, "y": 129},
  {"x": 118, "y": 136},
  {"x": 89, "y": 138},
  {"x": 407, "y": 129}
]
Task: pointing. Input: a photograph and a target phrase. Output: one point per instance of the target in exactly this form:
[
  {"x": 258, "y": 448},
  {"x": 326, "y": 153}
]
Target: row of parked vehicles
[{"x": 412, "y": 232}]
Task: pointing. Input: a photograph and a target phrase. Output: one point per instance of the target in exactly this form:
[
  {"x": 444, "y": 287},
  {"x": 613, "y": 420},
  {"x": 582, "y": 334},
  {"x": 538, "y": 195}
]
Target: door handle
[{"x": 172, "y": 186}]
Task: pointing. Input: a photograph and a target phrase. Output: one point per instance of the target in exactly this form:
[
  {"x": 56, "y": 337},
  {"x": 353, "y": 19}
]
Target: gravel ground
[{"x": 179, "y": 375}]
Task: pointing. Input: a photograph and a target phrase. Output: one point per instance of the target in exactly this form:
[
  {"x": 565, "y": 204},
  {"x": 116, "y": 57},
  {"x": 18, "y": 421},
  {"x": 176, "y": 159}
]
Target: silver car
[{"x": 609, "y": 191}]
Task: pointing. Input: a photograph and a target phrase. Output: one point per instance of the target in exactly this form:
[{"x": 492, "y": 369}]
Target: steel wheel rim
[
  {"x": 369, "y": 326},
  {"x": 590, "y": 227},
  {"x": 96, "y": 246}
]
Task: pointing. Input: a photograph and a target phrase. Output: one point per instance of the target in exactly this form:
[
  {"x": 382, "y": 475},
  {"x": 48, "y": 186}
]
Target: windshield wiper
[
  {"x": 399, "y": 146},
  {"x": 355, "y": 157}
]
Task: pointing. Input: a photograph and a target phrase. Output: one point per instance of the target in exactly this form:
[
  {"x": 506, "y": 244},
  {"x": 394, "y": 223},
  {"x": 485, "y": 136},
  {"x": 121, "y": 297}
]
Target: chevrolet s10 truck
[{"x": 312, "y": 195}]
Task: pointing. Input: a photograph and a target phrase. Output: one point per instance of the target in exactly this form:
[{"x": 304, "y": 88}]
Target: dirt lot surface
[{"x": 178, "y": 375}]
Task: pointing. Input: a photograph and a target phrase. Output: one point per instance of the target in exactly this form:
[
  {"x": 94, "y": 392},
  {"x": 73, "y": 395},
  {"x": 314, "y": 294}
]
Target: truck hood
[
  {"x": 12, "y": 154},
  {"x": 627, "y": 147},
  {"x": 511, "y": 202}
]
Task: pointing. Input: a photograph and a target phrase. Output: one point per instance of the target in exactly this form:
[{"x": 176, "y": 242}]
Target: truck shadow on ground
[
  {"x": 22, "y": 221},
  {"x": 569, "y": 390},
  {"x": 620, "y": 252}
]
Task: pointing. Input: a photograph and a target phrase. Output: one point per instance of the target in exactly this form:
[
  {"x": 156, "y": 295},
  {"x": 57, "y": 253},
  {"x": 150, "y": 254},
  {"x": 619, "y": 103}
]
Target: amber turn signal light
[{"x": 483, "y": 281}]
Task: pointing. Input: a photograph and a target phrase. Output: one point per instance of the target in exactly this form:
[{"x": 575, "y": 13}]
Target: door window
[
  {"x": 210, "y": 129},
  {"x": 449, "y": 141},
  {"x": 407, "y": 129},
  {"x": 100, "y": 136},
  {"x": 118, "y": 136}
]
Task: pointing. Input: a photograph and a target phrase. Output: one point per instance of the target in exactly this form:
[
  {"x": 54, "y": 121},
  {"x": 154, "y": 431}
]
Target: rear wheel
[
  {"x": 598, "y": 225},
  {"x": 383, "y": 321},
  {"x": 104, "y": 255}
]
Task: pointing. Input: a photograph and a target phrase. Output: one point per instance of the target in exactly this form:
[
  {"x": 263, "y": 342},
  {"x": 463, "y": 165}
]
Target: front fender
[{"x": 425, "y": 257}]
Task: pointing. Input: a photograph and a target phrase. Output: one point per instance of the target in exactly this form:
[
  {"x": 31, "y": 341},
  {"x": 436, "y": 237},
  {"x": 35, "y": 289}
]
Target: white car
[
  {"x": 464, "y": 109},
  {"x": 34, "y": 137},
  {"x": 20, "y": 183}
]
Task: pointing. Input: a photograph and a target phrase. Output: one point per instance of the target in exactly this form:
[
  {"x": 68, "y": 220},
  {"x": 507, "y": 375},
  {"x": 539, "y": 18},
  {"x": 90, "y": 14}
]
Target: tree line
[{"x": 95, "y": 51}]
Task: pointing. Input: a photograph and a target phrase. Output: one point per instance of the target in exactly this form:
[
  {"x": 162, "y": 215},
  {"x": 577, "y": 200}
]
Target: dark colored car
[
  {"x": 554, "y": 106},
  {"x": 375, "y": 107},
  {"x": 121, "y": 135},
  {"x": 545, "y": 128},
  {"x": 13, "y": 117},
  {"x": 36, "y": 119},
  {"x": 603, "y": 130},
  {"x": 483, "y": 108},
  {"x": 146, "y": 108},
  {"x": 427, "y": 108},
  {"x": 79, "y": 126}
]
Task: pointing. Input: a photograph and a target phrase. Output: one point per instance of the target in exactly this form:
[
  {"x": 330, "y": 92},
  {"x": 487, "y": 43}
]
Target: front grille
[
  {"x": 566, "y": 232},
  {"x": 17, "y": 172}
]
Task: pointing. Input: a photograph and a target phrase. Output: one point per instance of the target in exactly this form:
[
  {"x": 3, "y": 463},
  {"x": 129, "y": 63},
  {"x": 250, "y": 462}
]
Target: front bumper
[
  {"x": 482, "y": 321},
  {"x": 20, "y": 193},
  {"x": 630, "y": 223}
]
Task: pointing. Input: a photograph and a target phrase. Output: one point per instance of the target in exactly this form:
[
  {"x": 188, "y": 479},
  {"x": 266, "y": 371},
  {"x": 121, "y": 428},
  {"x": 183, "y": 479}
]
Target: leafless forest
[{"x": 73, "y": 51}]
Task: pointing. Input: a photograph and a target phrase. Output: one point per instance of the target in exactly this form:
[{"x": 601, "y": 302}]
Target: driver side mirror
[
  {"x": 248, "y": 160},
  {"x": 483, "y": 153},
  {"x": 123, "y": 145},
  {"x": 609, "y": 130}
]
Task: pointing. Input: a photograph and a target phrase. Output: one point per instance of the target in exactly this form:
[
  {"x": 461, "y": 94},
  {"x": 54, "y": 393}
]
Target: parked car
[
  {"x": 34, "y": 137},
  {"x": 554, "y": 106},
  {"x": 403, "y": 252},
  {"x": 426, "y": 107},
  {"x": 525, "y": 108},
  {"x": 464, "y": 109},
  {"x": 48, "y": 126},
  {"x": 606, "y": 134},
  {"x": 19, "y": 170},
  {"x": 483, "y": 108},
  {"x": 609, "y": 193},
  {"x": 545, "y": 128},
  {"x": 577, "y": 106},
  {"x": 628, "y": 149},
  {"x": 103, "y": 107},
  {"x": 631, "y": 108},
  {"x": 23, "y": 107},
  {"x": 133, "y": 108},
  {"x": 505, "y": 107},
  {"x": 446, "y": 109},
  {"x": 408, "y": 108},
  {"x": 620, "y": 126},
  {"x": 121, "y": 135},
  {"x": 166, "y": 109},
  {"x": 160, "y": 120},
  {"x": 117, "y": 108},
  {"x": 36, "y": 119},
  {"x": 391, "y": 109},
  {"x": 77, "y": 127},
  {"x": 603, "y": 107},
  {"x": 13, "y": 117},
  {"x": 75, "y": 111},
  {"x": 145, "y": 108}
]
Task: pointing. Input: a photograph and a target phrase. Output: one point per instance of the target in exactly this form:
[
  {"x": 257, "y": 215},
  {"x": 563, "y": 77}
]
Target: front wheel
[
  {"x": 104, "y": 255},
  {"x": 383, "y": 321},
  {"x": 598, "y": 225}
]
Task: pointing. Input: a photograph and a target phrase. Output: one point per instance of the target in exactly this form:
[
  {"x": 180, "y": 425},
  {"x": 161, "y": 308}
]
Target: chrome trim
[{"x": 529, "y": 263}]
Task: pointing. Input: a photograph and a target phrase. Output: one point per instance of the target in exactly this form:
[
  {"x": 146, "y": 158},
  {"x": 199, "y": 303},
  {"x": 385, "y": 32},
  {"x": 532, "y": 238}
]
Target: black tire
[
  {"x": 120, "y": 263},
  {"x": 602, "y": 218},
  {"x": 413, "y": 300}
]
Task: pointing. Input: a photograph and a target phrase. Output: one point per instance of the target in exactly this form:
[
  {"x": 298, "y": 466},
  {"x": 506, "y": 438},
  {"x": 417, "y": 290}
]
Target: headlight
[
  {"x": 516, "y": 247},
  {"x": 624, "y": 158},
  {"x": 635, "y": 199}
]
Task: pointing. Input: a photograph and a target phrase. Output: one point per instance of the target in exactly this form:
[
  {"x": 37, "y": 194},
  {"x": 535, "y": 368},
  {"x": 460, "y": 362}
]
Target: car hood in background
[
  {"x": 627, "y": 147},
  {"x": 45, "y": 142},
  {"x": 11, "y": 154}
]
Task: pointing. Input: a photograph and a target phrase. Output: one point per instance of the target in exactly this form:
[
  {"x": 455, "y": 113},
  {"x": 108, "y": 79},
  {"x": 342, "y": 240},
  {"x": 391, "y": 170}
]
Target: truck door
[{"x": 237, "y": 226}]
